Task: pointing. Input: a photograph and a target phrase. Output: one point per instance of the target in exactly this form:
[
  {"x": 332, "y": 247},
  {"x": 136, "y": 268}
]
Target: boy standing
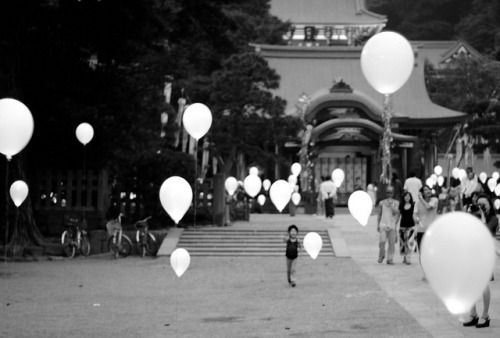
[
  {"x": 387, "y": 226},
  {"x": 292, "y": 252}
]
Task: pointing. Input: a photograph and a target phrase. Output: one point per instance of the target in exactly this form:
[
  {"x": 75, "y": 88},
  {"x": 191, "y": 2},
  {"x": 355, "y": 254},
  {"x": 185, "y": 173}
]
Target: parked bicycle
[
  {"x": 119, "y": 244},
  {"x": 146, "y": 241},
  {"x": 75, "y": 238}
]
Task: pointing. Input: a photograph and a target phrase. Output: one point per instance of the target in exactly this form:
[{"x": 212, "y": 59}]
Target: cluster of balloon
[
  {"x": 313, "y": 244},
  {"x": 176, "y": 196},
  {"x": 296, "y": 169},
  {"x": 16, "y": 127},
  {"x": 387, "y": 60},
  {"x": 338, "y": 177},
  {"x": 261, "y": 199},
  {"x": 180, "y": 260},
  {"x": 458, "y": 258},
  {"x": 360, "y": 206},
  {"x": 296, "y": 198},
  {"x": 280, "y": 194},
  {"x": 231, "y": 184},
  {"x": 18, "y": 192},
  {"x": 84, "y": 133},
  {"x": 252, "y": 185},
  {"x": 197, "y": 120}
]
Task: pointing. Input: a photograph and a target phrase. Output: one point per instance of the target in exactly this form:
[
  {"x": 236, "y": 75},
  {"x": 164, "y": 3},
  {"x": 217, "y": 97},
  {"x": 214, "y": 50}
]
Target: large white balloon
[
  {"x": 16, "y": 127},
  {"x": 261, "y": 199},
  {"x": 266, "y": 184},
  {"x": 231, "y": 184},
  {"x": 338, "y": 177},
  {"x": 492, "y": 183},
  {"x": 313, "y": 244},
  {"x": 296, "y": 168},
  {"x": 387, "y": 61},
  {"x": 360, "y": 206},
  {"x": 179, "y": 260},
  {"x": 176, "y": 196},
  {"x": 18, "y": 192},
  {"x": 252, "y": 185},
  {"x": 296, "y": 198},
  {"x": 483, "y": 176},
  {"x": 458, "y": 258},
  {"x": 84, "y": 133},
  {"x": 197, "y": 120},
  {"x": 280, "y": 193}
]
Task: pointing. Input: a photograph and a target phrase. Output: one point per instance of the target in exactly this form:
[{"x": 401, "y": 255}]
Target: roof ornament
[{"x": 340, "y": 86}]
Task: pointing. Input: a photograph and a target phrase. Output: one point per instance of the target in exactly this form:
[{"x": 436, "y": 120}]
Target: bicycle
[
  {"x": 146, "y": 241},
  {"x": 75, "y": 238},
  {"x": 119, "y": 244}
]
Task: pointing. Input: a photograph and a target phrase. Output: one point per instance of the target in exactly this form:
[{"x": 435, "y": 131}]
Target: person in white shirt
[
  {"x": 329, "y": 193},
  {"x": 387, "y": 226},
  {"x": 469, "y": 185},
  {"x": 413, "y": 185}
]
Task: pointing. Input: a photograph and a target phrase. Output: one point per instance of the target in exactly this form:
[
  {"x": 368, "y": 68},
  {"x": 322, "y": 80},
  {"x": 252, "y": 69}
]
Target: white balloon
[
  {"x": 252, "y": 185},
  {"x": 179, "y": 260},
  {"x": 438, "y": 170},
  {"x": 387, "y": 60},
  {"x": 497, "y": 204},
  {"x": 455, "y": 172},
  {"x": 296, "y": 169},
  {"x": 176, "y": 196},
  {"x": 261, "y": 199},
  {"x": 266, "y": 184},
  {"x": 84, "y": 133},
  {"x": 462, "y": 174},
  {"x": 16, "y": 127},
  {"x": 338, "y": 177},
  {"x": 458, "y": 258},
  {"x": 292, "y": 180},
  {"x": 483, "y": 177},
  {"x": 253, "y": 171},
  {"x": 440, "y": 181},
  {"x": 360, "y": 206},
  {"x": 197, "y": 120},
  {"x": 296, "y": 198},
  {"x": 280, "y": 194},
  {"x": 313, "y": 244},
  {"x": 434, "y": 178},
  {"x": 231, "y": 184},
  {"x": 492, "y": 183},
  {"x": 495, "y": 175},
  {"x": 497, "y": 190},
  {"x": 18, "y": 192},
  {"x": 429, "y": 182}
]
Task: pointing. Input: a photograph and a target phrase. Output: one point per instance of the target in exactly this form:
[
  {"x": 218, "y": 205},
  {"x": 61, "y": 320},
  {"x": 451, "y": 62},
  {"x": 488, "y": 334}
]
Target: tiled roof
[{"x": 325, "y": 12}]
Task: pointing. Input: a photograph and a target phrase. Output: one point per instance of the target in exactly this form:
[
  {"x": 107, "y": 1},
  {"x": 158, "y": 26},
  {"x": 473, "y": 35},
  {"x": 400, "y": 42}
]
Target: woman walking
[{"x": 407, "y": 231}]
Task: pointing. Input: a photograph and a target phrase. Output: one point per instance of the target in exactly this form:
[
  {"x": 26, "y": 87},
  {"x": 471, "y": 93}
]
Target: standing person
[
  {"x": 387, "y": 226},
  {"x": 357, "y": 184},
  {"x": 292, "y": 252},
  {"x": 469, "y": 185},
  {"x": 484, "y": 210},
  {"x": 413, "y": 185},
  {"x": 452, "y": 201},
  {"x": 407, "y": 232},
  {"x": 426, "y": 211},
  {"x": 320, "y": 206},
  {"x": 398, "y": 187},
  {"x": 329, "y": 192}
]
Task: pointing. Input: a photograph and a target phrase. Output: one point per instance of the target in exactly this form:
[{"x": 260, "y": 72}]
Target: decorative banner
[
  {"x": 253, "y": 171},
  {"x": 360, "y": 206},
  {"x": 231, "y": 184},
  {"x": 18, "y": 192},
  {"x": 280, "y": 194},
  {"x": 387, "y": 60},
  {"x": 266, "y": 184},
  {"x": 261, "y": 199},
  {"x": 492, "y": 183},
  {"x": 296, "y": 198},
  {"x": 197, "y": 119},
  {"x": 338, "y": 177},
  {"x": 458, "y": 258},
  {"x": 438, "y": 170},
  {"x": 84, "y": 133},
  {"x": 176, "y": 196},
  {"x": 483, "y": 177},
  {"x": 252, "y": 185},
  {"x": 16, "y": 127},
  {"x": 180, "y": 260},
  {"x": 313, "y": 244},
  {"x": 296, "y": 169}
]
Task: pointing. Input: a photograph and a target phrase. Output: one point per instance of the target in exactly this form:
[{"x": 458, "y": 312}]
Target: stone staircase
[{"x": 223, "y": 242}]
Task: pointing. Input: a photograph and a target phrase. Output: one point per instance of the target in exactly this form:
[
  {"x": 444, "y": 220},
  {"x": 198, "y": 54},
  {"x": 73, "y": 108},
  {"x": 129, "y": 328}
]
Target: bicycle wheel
[
  {"x": 85, "y": 245},
  {"x": 150, "y": 246},
  {"x": 67, "y": 243},
  {"x": 125, "y": 246}
]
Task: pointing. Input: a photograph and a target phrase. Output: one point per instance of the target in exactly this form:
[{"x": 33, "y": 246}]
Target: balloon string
[
  {"x": 84, "y": 185},
  {"x": 195, "y": 179},
  {"x": 6, "y": 209}
]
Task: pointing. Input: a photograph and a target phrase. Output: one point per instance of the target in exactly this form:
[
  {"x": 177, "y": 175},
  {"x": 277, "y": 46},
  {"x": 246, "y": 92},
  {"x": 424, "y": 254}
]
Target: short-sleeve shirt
[
  {"x": 426, "y": 216},
  {"x": 388, "y": 219}
]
